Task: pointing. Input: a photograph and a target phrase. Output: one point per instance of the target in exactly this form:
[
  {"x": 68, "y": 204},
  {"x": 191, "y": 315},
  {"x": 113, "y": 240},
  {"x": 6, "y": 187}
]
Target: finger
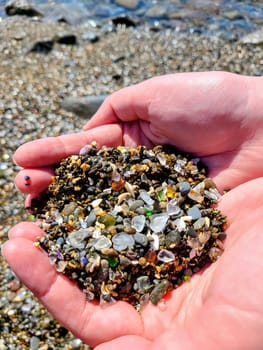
[
  {"x": 129, "y": 342},
  {"x": 34, "y": 180},
  {"x": 128, "y": 104},
  {"x": 65, "y": 301},
  {"x": 49, "y": 151},
  {"x": 27, "y": 230},
  {"x": 244, "y": 199}
]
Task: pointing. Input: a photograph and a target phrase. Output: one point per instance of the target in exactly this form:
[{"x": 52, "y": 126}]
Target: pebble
[
  {"x": 158, "y": 222},
  {"x": 122, "y": 241},
  {"x": 194, "y": 212},
  {"x": 138, "y": 222}
]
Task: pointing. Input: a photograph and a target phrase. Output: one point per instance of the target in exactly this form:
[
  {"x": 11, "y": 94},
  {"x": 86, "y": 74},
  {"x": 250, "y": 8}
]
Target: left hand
[{"x": 220, "y": 308}]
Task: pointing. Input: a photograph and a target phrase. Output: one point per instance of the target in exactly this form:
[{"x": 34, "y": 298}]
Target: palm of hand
[{"x": 220, "y": 308}]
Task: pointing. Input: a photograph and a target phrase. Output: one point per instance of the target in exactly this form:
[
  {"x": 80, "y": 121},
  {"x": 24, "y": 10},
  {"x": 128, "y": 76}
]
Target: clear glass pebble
[
  {"x": 180, "y": 224},
  {"x": 102, "y": 242},
  {"x": 76, "y": 238},
  {"x": 141, "y": 239},
  {"x": 196, "y": 193},
  {"x": 158, "y": 222},
  {"x": 122, "y": 241},
  {"x": 146, "y": 198},
  {"x": 138, "y": 222},
  {"x": 184, "y": 188},
  {"x": 143, "y": 283},
  {"x": 194, "y": 212},
  {"x": 173, "y": 208},
  {"x": 165, "y": 255}
]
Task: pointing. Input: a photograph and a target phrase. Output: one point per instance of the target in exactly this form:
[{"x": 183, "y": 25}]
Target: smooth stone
[
  {"x": 34, "y": 343},
  {"x": 180, "y": 224},
  {"x": 134, "y": 205},
  {"x": 143, "y": 283},
  {"x": 107, "y": 219},
  {"x": 173, "y": 208},
  {"x": 141, "y": 239},
  {"x": 146, "y": 198},
  {"x": 199, "y": 223},
  {"x": 138, "y": 222},
  {"x": 91, "y": 218},
  {"x": 196, "y": 193},
  {"x": 173, "y": 238},
  {"x": 165, "y": 255},
  {"x": 184, "y": 188},
  {"x": 212, "y": 194},
  {"x": 76, "y": 238},
  {"x": 122, "y": 241},
  {"x": 102, "y": 243},
  {"x": 83, "y": 106},
  {"x": 158, "y": 222},
  {"x": 66, "y": 39},
  {"x": 194, "y": 212},
  {"x": 159, "y": 291}
]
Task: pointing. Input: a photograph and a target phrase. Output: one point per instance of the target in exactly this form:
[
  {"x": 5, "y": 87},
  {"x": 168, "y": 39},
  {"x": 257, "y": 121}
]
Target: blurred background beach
[{"x": 58, "y": 56}]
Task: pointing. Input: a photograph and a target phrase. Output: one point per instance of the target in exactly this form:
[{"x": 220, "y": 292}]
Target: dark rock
[
  {"x": 66, "y": 39},
  {"x": 21, "y": 7},
  {"x": 123, "y": 20},
  {"x": 42, "y": 47},
  {"x": 83, "y": 106}
]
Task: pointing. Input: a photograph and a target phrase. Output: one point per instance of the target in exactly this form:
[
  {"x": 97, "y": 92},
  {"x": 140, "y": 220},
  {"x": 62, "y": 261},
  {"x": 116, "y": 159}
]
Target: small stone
[
  {"x": 196, "y": 193},
  {"x": 122, "y": 241},
  {"x": 141, "y": 239},
  {"x": 184, "y": 188},
  {"x": 165, "y": 255},
  {"x": 173, "y": 207},
  {"x": 159, "y": 291},
  {"x": 158, "y": 222},
  {"x": 129, "y": 4},
  {"x": 194, "y": 212},
  {"x": 91, "y": 218},
  {"x": 108, "y": 220},
  {"x": 143, "y": 283},
  {"x": 135, "y": 204},
  {"x": 102, "y": 243},
  {"x": 138, "y": 222},
  {"x": 76, "y": 239},
  {"x": 180, "y": 224},
  {"x": 34, "y": 343},
  {"x": 146, "y": 198},
  {"x": 173, "y": 238}
]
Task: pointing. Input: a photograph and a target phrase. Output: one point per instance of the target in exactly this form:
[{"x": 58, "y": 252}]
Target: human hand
[
  {"x": 215, "y": 115},
  {"x": 229, "y": 141},
  {"x": 220, "y": 308}
]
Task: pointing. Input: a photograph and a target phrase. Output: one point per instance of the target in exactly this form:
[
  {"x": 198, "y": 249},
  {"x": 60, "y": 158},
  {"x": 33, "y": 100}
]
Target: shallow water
[{"x": 229, "y": 17}]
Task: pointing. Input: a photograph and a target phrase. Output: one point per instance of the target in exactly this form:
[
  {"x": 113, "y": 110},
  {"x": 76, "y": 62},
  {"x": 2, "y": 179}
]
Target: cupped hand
[
  {"x": 215, "y": 115},
  {"x": 220, "y": 308}
]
